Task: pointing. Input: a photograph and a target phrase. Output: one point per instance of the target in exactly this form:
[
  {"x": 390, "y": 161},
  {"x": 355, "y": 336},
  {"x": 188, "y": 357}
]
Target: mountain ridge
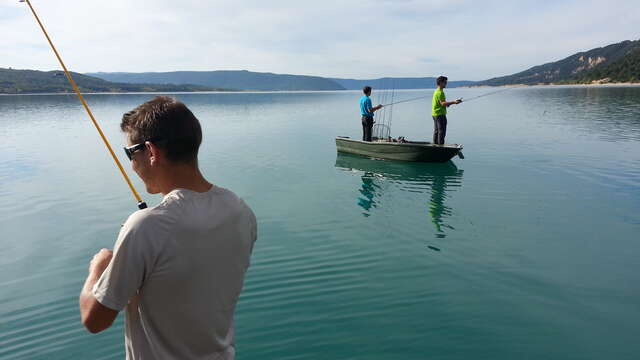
[
  {"x": 18, "y": 81},
  {"x": 398, "y": 83},
  {"x": 570, "y": 69},
  {"x": 266, "y": 81},
  {"x": 228, "y": 79}
]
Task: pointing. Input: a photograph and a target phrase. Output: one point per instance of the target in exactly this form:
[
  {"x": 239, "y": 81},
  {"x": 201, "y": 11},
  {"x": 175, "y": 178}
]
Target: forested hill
[
  {"x": 32, "y": 81},
  {"x": 397, "y": 83},
  {"x": 579, "y": 67},
  {"x": 228, "y": 79},
  {"x": 626, "y": 69}
]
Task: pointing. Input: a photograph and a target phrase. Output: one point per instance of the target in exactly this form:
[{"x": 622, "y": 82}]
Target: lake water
[{"x": 528, "y": 248}]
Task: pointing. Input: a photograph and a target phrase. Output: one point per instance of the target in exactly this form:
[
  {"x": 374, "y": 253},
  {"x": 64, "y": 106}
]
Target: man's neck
[{"x": 184, "y": 177}]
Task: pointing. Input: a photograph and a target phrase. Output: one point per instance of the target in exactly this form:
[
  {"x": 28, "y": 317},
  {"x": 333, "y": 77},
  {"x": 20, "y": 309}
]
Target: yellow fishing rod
[{"x": 141, "y": 204}]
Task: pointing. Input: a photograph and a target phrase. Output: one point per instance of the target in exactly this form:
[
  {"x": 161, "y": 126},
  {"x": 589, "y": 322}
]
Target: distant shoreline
[
  {"x": 180, "y": 92},
  {"x": 122, "y": 92},
  {"x": 625, "y": 84}
]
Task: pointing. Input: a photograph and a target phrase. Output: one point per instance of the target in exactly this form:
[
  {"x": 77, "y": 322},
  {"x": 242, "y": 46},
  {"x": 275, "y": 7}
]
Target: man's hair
[
  {"x": 168, "y": 124},
  {"x": 366, "y": 89},
  {"x": 441, "y": 80}
]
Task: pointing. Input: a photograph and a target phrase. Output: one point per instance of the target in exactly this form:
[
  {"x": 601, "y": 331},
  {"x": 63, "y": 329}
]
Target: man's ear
[{"x": 154, "y": 152}]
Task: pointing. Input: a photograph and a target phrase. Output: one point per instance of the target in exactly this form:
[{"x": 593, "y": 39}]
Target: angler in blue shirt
[{"x": 367, "y": 110}]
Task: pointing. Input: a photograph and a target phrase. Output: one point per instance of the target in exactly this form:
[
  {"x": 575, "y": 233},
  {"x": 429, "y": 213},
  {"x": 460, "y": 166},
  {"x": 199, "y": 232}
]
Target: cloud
[{"x": 357, "y": 39}]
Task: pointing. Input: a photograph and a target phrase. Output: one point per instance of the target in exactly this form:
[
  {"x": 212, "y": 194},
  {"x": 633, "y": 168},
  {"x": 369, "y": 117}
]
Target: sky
[{"x": 462, "y": 39}]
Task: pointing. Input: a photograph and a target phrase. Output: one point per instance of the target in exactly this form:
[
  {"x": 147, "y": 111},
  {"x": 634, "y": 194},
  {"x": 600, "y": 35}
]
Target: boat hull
[{"x": 406, "y": 151}]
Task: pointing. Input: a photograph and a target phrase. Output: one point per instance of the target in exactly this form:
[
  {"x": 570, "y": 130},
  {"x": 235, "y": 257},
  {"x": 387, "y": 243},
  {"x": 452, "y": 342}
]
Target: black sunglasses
[{"x": 130, "y": 150}]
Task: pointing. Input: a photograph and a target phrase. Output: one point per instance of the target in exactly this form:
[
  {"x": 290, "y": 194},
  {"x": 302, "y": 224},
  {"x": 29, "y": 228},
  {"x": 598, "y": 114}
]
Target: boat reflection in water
[{"x": 378, "y": 176}]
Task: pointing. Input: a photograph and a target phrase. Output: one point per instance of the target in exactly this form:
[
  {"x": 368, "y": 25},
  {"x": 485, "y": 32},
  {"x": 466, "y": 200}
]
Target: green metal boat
[{"x": 399, "y": 150}]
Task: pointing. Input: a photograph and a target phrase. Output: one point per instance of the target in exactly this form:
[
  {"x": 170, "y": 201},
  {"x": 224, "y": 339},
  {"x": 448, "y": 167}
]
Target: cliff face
[{"x": 589, "y": 63}]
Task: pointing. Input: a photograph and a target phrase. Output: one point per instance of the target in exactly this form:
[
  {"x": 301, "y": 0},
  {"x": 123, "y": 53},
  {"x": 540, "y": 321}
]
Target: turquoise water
[{"x": 528, "y": 248}]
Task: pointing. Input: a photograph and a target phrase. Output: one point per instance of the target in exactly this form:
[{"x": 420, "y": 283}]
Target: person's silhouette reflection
[
  {"x": 437, "y": 210},
  {"x": 368, "y": 192},
  {"x": 438, "y": 179}
]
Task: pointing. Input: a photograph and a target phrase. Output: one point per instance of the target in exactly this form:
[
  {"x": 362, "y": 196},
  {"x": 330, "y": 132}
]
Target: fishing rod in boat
[
  {"x": 464, "y": 100},
  {"x": 141, "y": 204}
]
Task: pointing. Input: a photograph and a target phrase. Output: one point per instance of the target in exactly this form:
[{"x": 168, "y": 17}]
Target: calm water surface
[{"x": 528, "y": 248}]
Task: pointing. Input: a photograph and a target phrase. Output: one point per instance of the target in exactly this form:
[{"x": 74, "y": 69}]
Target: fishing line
[
  {"x": 463, "y": 100},
  {"x": 404, "y": 101},
  {"x": 141, "y": 204},
  {"x": 487, "y": 94}
]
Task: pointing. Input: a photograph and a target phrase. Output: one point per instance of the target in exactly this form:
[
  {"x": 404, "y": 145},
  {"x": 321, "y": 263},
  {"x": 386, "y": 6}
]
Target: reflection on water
[
  {"x": 368, "y": 191},
  {"x": 380, "y": 176}
]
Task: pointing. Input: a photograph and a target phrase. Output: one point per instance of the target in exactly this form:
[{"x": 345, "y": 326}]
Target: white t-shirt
[{"x": 178, "y": 268}]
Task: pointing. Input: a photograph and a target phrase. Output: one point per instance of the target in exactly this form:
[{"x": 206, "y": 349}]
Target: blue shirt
[{"x": 365, "y": 106}]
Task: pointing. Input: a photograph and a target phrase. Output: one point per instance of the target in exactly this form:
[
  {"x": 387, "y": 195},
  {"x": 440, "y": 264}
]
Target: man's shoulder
[
  {"x": 144, "y": 228},
  {"x": 172, "y": 208},
  {"x": 232, "y": 197},
  {"x": 215, "y": 199},
  {"x": 145, "y": 218}
]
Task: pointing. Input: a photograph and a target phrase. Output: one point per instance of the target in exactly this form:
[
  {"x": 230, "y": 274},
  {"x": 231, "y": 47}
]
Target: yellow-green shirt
[{"x": 436, "y": 107}]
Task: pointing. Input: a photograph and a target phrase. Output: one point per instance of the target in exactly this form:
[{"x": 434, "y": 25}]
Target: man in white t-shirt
[{"x": 178, "y": 267}]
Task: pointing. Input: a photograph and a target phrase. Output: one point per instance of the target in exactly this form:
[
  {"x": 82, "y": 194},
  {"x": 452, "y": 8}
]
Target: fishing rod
[
  {"x": 469, "y": 99},
  {"x": 141, "y": 204}
]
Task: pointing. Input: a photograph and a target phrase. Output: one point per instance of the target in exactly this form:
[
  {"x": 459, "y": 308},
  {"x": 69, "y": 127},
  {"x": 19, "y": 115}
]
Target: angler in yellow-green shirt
[{"x": 439, "y": 105}]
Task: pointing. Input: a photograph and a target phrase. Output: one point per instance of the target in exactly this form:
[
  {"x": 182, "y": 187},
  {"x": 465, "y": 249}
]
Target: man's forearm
[
  {"x": 95, "y": 316},
  {"x": 374, "y": 109},
  {"x": 86, "y": 295}
]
